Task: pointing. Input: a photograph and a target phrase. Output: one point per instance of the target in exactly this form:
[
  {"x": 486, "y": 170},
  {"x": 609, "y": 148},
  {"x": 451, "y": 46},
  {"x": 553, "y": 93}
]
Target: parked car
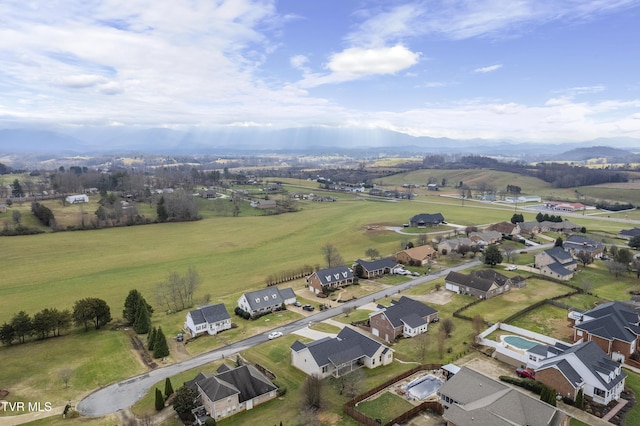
[
  {"x": 297, "y": 304},
  {"x": 180, "y": 337},
  {"x": 512, "y": 268},
  {"x": 526, "y": 373},
  {"x": 275, "y": 335},
  {"x": 308, "y": 308},
  {"x": 415, "y": 274}
]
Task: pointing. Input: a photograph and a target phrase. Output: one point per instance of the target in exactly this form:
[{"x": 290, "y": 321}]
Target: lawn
[
  {"x": 548, "y": 320},
  {"x": 633, "y": 382},
  {"x": 386, "y": 407}
]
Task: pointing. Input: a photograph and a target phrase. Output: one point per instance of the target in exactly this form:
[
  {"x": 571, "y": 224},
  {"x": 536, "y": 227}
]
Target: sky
[{"x": 534, "y": 70}]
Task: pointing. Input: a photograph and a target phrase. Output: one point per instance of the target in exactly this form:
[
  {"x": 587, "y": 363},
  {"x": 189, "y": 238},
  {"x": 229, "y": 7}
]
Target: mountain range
[{"x": 306, "y": 139}]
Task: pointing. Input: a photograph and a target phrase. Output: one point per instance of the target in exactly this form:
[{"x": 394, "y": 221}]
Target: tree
[
  {"x": 634, "y": 242},
  {"x": 64, "y": 320},
  {"x": 185, "y": 401},
  {"x": 312, "y": 392},
  {"x": 91, "y": 310},
  {"x": 478, "y": 324},
  {"x": 331, "y": 256},
  {"x": 422, "y": 342},
  {"x": 509, "y": 252},
  {"x": 580, "y": 399},
  {"x": 161, "y": 211},
  {"x": 132, "y": 304},
  {"x": 623, "y": 256},
  {"x": 447, "y": 325},
  {"x": 151, "y": 338},
  {"x": 159, "y": 400},
  {"x": 350, "y": 383},
  {"x": 492, "y": 256},
  {"x": 23, "y": 326},
  {"x": 584, "y": 257},
  {"x": 176, "y": 293},
  {"x": 17, "y": 216},
  {"x": 616, "y": 268},
  {"x": 168, "y": 388},
  {"x": 65, "y": 375},
  {"x": 160, "y": 346},
  {"x": 17, "y": 191},
  {"x": 559, "y": 242},
  {"x": 442, "y": 339},
  {"x": 44, "y": 323},
  {"x": 635, "y": 265},
  {"x": 517, "y": 218},
  {"x": 7, "y": 333},
  {"x": 142, "y": 323},
  {"x": 372, "y": 253}
]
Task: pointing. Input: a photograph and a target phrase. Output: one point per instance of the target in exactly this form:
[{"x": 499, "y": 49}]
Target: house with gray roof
[
  {"x": 339, "y": 276},
  {"x": 577, "y": 243},
  {"x": 266, "y": 300},
  {"x": 627, "y": 234},
  {"x": 374, "y": 268},
  {"x": 405, "y": 317},
  {"x": 230, "y": 391},
  {"x": 556, "y": 263},
  {"x": 452, "y": 244},
  {"x": 340, "y": 355},
  {"x": 426, "y": 219},
  {"x": 483, "y": 283},
  {"x": 472, "y": 399},
  {"x": 583, "y": 366},
  {"x": 210, "y": 319},
  {"x": 613, "y": 326}
]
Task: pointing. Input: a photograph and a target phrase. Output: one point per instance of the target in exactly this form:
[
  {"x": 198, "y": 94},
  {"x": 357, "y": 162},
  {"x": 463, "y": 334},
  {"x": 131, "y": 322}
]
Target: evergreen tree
[
  {"x": 492, "y": 256},
  {"x": 132, "y": 305},
  {"x": 559, "y": 242},
  {"x": 160, "y": 347},
  {"x": 151, "y": 338},
  {"x": 580, "y": 399},
  {"x": 159, "y": 400},
  {"x": 143, "y": 321},
  {"x": 168, "y": 388},
  {"x": 162, "y": 210}
]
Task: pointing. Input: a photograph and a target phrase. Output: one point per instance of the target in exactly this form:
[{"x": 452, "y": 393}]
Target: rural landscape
[{"x": 139, "y": 246}]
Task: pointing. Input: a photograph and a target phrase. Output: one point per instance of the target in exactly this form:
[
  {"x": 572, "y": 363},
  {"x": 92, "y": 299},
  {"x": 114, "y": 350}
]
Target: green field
[{"x": 231, "y": 255}]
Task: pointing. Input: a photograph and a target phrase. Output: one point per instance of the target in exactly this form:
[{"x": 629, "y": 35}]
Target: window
[
  {"x": 273, "y": 296},
  {"x": 266, "y": 298},
  {"x": 257, "y": 300}
]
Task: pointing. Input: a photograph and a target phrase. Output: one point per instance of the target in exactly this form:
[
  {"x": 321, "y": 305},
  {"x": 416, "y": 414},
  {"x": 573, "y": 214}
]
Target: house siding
[
  {"x": 384, "y": 328},
  {"x": 556, "y": 381}
]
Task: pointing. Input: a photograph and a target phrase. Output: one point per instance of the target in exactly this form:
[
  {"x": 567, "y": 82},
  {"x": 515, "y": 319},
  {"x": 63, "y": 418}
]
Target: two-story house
[
  {"x": 556, "y": 263},
  {"x": 405, "y": 317},
  {"x": 266, "y": 300},
  {"x": 339, "y": 276},
  {"x": 210, "y": 319}
]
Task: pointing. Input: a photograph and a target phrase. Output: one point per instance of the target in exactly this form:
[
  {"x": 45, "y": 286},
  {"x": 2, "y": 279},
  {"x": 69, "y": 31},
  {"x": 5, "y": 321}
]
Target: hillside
[{"x": 594, "y": 152}]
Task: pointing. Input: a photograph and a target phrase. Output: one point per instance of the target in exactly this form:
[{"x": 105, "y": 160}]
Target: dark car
[
  {"x": 308, "y": 308},
  {"x": 526, "y": 373}
]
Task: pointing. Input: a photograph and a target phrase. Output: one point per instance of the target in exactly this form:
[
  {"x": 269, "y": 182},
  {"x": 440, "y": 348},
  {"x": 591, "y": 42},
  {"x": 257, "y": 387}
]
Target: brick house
[
  {"x": 331, "y": 278},
  {"x": 613, "y": 326},
  {"x": 405, "y": 317},
  {"x": 484, "y": 283},
  {"x": 418, "y": 256}
]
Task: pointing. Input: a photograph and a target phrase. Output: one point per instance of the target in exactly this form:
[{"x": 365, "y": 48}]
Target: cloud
[
  {"x": 81, "y": 81},
  {"x": 490, "y": 68}
]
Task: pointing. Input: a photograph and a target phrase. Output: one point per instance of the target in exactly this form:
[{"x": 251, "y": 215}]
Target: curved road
[{"x": 124, "y": 394}]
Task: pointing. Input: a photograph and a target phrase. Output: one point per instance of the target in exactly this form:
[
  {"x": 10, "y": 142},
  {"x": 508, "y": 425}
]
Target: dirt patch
[
  {"x": 437, "y": 297},
  {"x": 141, "y": 350}
]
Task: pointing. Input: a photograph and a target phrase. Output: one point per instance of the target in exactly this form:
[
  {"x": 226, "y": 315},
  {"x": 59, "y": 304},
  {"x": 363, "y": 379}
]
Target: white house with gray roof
[
  {"x": 339, "y": 355},
  {"x": 267, "y": 300},
  {"x": 556, "y": 263},
  {"x": 335, "y": 277},
  {"x": 210, "y": 319}
]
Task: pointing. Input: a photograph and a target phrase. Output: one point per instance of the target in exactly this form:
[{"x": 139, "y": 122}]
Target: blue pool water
[
  {"x": 423, "y": 387},
  {"x": 520, "y": 342}
]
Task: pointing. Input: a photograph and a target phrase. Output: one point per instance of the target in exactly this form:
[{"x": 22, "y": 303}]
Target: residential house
[
  {"x": 374, "y": 268},
  {"x": 614, "y": 326},
  {"x": 433, "y": 187},
  {"x": 484, "y": 283},
  {"x": 471, "y": 399},
  {"x": 339, "y": 355},
  {"x": 565, "y": 206},
  {"x": 564, "y": 226},
  {"x": 418, "y": 256},
  {"x": 77, "y": 199},
  {"x": 405, "y": 317},
  {"x": 266, "y": 300},
  {"x": 264, "y": 204},
  {"x": 627, "y": 234},
  {"x": 210, "y": 319},
  {"x": 485, "y": 238},
  {"x": 231, "y": 390},
  {"x": 505, "y": 228},
  {"x": 447, "y": 246},
  {"x": 530, "y": 227},
  {"x": 426, "y": 219},
  {"x": 556, "y": 263},
  {"x": 582, "y": 366},
  {"x": 329, "y": 278},
  {"x": 209, "y": 193},
  {"x": 577, "y": 243}
]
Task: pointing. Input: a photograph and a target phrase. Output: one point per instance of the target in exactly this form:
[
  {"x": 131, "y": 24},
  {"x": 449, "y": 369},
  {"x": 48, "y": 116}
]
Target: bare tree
[
  {"x": 372, "y": 253},
  {"x": 422, "y": 240},
  {"x": 478, "y": 324},
  {"x": 635, "y": 265},
  {"x": 176, "y": 292},
  {"x": 442, "y": 340},
  {"x": 312, "y": 392},
  {"x": 616, "y": 268},
  {"x": 447, "y": 325},
  {"x": 331, "y": 255},
  {"x": 422, "y": 341},
  {"x": 584, "y": 257},
  {"x": 346, "y": 310},
  {"x": 509, "y": 252},
  {"x": 350, "y": 383},
  {"x": 65, "y": 375}
]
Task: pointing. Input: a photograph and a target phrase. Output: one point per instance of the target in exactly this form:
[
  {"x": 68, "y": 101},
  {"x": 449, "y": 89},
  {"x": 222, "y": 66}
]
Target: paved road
[{"x": 122, "y": 395}]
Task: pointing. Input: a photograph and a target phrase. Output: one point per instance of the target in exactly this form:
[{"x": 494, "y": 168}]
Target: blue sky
[{"x": 534, "y": 70}]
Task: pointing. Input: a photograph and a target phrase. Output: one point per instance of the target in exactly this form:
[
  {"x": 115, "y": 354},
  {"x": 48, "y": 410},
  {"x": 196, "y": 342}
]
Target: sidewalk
[{"x": 30, "y": 417}]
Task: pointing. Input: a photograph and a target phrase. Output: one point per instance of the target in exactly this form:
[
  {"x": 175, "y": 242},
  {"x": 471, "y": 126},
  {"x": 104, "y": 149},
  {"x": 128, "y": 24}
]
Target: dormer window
[
  {"x": 273, "y": 296},
  {"x": 266, "y": 298},
  {"x": 328, "y": 277},
  {"x": 257, "y": 300}
]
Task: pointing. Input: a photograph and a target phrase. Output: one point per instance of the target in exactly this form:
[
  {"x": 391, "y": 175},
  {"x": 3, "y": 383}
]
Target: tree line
[{"x": 51, "y": 322}]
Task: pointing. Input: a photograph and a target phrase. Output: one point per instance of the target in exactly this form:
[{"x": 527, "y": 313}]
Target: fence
[{"x": 349, "y": 406}]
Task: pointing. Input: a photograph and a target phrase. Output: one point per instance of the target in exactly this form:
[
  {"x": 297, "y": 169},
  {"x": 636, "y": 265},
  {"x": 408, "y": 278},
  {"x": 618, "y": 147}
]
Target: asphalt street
[{"x": 121, "y": 395}]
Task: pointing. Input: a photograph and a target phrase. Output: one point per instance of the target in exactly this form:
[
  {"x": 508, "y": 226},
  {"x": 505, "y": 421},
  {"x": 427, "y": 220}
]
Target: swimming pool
[
  {"x": 422, "y": 387},
  {"x": 519, "y": 342}
]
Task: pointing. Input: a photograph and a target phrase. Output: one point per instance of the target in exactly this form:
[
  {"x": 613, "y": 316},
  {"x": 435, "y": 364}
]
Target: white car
[
  {"x": 275, "y": 335},
  {"x": 512, "y": 268}
]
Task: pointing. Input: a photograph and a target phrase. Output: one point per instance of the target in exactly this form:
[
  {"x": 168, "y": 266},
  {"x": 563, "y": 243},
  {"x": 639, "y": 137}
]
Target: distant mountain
[
  {"x": 257, "y": 140},
  {"x": 595, "y": 152}
]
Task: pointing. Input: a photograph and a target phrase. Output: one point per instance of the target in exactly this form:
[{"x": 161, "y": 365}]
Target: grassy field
[{"x": 385, "y": 407}]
